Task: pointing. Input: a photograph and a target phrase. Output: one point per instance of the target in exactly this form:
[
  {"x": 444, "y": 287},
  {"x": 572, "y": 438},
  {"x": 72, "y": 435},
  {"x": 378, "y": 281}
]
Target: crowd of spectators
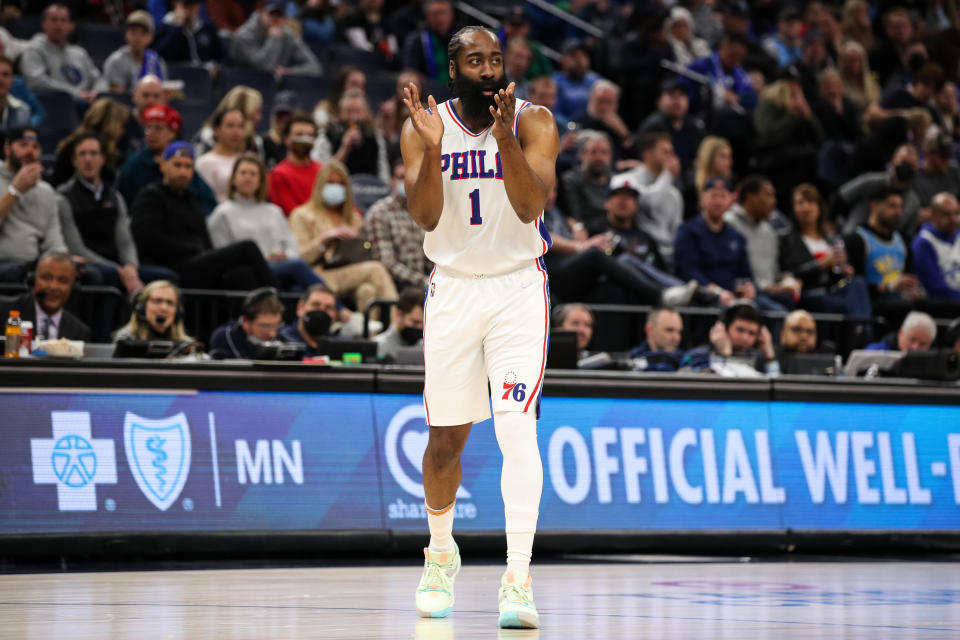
[{"x": 752, "y": 157}]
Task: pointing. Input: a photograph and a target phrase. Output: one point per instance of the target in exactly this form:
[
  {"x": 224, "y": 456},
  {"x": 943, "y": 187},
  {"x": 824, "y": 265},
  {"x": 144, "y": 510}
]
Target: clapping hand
[
  {"x": 426, "y": 123},
  {"x": 504, "y": 113}
]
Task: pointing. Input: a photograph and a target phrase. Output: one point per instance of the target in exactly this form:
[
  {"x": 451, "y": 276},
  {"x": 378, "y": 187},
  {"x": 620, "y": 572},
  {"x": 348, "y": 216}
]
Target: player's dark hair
[{"x": 457, "y": 44}]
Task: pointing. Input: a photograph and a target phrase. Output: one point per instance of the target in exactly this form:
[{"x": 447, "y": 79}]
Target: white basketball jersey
[{"x": 479, "y": 232}]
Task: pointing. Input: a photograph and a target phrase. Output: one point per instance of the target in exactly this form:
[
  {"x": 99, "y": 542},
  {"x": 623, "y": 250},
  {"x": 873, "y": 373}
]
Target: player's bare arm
[
  {"x": 529, "y": 163},
  {"x": 420, "y": 147}
]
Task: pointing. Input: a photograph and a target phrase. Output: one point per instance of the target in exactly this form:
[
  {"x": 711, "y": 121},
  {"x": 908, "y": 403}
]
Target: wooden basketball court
[{"x": 656, "y": 598}]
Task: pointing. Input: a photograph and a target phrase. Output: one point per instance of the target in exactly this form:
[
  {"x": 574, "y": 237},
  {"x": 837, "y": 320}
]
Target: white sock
[
  {"x": 440, "y": 522},
  {"x": 521, "y": 482}
]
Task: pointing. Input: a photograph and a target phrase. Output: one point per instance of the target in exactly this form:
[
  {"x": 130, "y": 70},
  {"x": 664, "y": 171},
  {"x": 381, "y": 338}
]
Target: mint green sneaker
[
  {"x": 435, "y": 591},
  {"x": 517, "y": 610}
]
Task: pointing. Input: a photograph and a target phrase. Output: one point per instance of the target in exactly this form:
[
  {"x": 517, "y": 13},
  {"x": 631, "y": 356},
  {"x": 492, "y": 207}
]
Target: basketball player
[{"x": 479, "y": 168}]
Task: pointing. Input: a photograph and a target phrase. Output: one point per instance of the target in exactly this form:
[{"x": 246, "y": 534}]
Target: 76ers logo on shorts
[{"x": 513, "y": 388}]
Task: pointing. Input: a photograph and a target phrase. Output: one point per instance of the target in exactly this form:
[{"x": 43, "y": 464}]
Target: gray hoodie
[
  {"x": 47, "y": 67},
  {"x": 251, "y": 46}
]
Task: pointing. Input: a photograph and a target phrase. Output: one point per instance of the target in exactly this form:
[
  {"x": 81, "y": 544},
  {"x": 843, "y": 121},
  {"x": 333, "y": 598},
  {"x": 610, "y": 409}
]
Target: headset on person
[
  {"x": 254, "y": 298},
  {"x": 140, "y": 306}
]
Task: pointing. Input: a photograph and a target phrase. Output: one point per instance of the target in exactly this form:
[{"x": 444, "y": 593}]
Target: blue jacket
[
  {"x": 31, "y": 113},
  {"x": 229, "y": 341},
  {"x": 736, "y": 80},
  {"x": 889, "y": 343}
]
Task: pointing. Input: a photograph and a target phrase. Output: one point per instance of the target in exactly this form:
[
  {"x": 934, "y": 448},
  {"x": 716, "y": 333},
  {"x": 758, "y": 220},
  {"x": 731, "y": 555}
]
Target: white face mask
[{"x": 334, "y": 194}]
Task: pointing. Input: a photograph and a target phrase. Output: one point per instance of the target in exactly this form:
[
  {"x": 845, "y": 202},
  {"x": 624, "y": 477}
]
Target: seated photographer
[
  {"x": 917, "y": 333},
  {"x": 44, "y": 306},
  {"x": 157, "y": 315},
  {"x": 407, "y": 327},
  {"x": 260, "y": 320},
  {"x": 740, "y": 345},
  {"x": 317, "y": 319},
  {"x": 661, "y": 350}
]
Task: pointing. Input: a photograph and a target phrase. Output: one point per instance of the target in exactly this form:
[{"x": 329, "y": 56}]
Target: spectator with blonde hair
[
  {"x": 156, "y": 315},
  {"x": 248, "y": 101},
  {"x": 327, "y": 229},
  {"x": 859, "y": 84},
  {"x": 714, "y": 158}
]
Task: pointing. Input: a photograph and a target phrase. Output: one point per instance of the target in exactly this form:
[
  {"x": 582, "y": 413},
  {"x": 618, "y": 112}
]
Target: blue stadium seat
[
  {"x": 61, "y": 111},
  {"x": 24, "y": 28},
  {"x": 99, "y": 40},
  {"x": 367, "y": 189},
  {"x": 262, "y": 81},
  {"x": 194, "y": 114},
  {"x": 343, "y": 55},
  {"x": 310, "y": 89},
  {"x": 197, "y": 83},
  {"x": 381, "y": 87}
]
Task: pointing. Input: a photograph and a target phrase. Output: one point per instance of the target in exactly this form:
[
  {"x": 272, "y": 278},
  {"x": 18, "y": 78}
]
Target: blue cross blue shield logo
[{"x": 158, "y": 452}]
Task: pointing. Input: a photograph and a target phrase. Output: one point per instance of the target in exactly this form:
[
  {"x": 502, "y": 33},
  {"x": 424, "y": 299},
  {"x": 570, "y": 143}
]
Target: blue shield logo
[{"x": 158, "y": 452}]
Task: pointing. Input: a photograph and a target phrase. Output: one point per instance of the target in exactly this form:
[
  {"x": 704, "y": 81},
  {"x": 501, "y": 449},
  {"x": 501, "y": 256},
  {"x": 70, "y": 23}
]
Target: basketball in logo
[{"x": 74, "y": 461}]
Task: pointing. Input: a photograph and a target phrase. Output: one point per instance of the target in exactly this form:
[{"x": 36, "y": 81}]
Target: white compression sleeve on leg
[
  {"x": 521, "y": 482},
  {"x": 440, "y": 522}
]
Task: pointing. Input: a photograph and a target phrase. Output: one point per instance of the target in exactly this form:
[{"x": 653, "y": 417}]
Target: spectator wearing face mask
[
  {"x": 854, "y": 196},
  {"x": 291, "y": 181},
  {"x": 327, "y": 228},
  {"x": 407, "y": 327},
  {"x": 317, "y": 314}
]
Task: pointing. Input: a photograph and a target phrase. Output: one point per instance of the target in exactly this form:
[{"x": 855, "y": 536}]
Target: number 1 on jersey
[{"x": 475, "y": 207}]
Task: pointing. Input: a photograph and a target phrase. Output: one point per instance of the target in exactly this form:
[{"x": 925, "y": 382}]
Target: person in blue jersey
[{"x": 479, "y": 169}]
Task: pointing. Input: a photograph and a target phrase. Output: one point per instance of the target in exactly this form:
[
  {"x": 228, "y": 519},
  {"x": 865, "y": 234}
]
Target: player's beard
[{"x": 476, "y": 106}]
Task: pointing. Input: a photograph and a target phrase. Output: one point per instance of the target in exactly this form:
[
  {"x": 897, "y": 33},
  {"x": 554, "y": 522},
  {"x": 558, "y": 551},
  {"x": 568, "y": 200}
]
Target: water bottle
[{"x": 12, "y": 344}]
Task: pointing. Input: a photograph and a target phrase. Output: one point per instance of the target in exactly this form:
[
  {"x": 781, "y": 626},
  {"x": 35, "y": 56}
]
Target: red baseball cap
[{"x": 163, "y": 114}]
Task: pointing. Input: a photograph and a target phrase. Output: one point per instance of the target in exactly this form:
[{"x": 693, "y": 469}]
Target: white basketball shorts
[{"x": 479, "y": 329}]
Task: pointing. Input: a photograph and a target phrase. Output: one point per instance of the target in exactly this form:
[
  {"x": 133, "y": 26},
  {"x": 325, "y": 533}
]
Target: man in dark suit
[{"x": 44, "y": 306}]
